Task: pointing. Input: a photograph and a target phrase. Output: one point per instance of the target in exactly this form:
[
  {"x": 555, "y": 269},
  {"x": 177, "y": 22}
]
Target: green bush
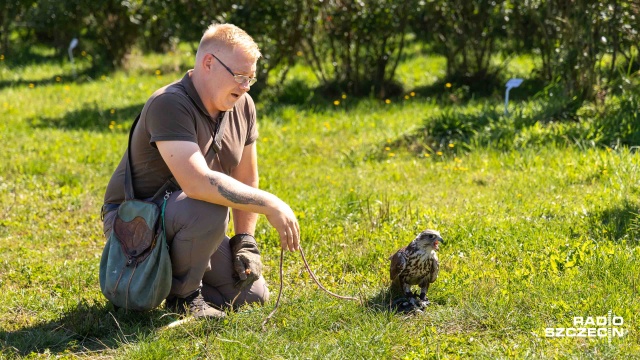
[
  {"x": 619, "y": 124},
  {"x": 106, "y": 29},
  {"x": 355, "y": 46},
  {"x": 467, "y": 33},
  {"x": 582, "y": 43}
]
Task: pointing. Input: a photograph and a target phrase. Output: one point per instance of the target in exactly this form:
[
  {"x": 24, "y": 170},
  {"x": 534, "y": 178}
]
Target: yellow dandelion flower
[
  {"x": 83, "y": 53},
  {"x": 299, "y": 53},
  {"x": 388, "y": 101},
  {"x": 112, "y": 111},
  {"x": 351, "y": 190},
  {"x": 326, "y": 125},
  {"x": 391, "y": 154},
  {"x": 412, "y": 93},
  {"x": 111, "y": 126},
  {"x": 58, "y": 78},
  {"x": 452, "y": 145},
  {"x": 67, "y": 88},
  {"x": 265, "y": 139},
  {"x": 406, "y": 97},
  {"x": 158, "y": 72},
  {"x": 447, "y": 85},
  {"x": 336, "y": 102},
  {"x": 344, "y": 96},
  {"x": 439, "y": 153},
  {"x": 519, "y": 195},
  {"x": 426, "y": 155},
  {"x": 32, "y": 85},
  {"x": 387, "y": 148},
  {"x": 284, "y": 129},
  {"x": 2, "y": 57},
  {"x": 103, "y": 78}
]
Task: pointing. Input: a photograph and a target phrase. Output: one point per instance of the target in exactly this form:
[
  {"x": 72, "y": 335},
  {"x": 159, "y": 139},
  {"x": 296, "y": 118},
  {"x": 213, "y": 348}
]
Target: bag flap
[{"x": 135, "y": 226}]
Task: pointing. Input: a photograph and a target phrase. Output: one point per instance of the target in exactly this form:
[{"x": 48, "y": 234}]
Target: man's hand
[
  {"x": 246, "y": 259},
  {"x": 284, "y": 221}
]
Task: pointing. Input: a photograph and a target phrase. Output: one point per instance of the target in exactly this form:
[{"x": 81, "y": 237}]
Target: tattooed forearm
[
  {"x": 234, "y": 196},
  {"x": 212, "y": 181},
  {"x": 239, "y": 198}
]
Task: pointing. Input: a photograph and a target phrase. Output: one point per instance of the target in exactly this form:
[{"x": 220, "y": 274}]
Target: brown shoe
[{"x": 193, "y": 305}]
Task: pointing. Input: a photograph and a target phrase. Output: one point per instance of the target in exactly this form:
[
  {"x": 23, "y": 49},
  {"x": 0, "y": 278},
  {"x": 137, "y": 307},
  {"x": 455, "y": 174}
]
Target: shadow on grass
[
  {"x": 461, "y": 89},
  {"x": 91, "y": 117},
  {"x": 83, "y": 76},
  {"x": 87, "y": 328},
  {"x": 448, "y": 133},
  {"x": 20, "y": 56},
  {"x": 323, "y": 97},
  {"x": 389, "y": 300},
  {"x": 617, "y": 223}
]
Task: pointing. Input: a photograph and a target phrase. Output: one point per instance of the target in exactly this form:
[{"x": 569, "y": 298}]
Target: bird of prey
[{"x": 416, "y": 264}]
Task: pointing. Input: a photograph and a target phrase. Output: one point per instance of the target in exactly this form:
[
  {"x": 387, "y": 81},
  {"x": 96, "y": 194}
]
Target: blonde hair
[{"x": 227, "y": 36}]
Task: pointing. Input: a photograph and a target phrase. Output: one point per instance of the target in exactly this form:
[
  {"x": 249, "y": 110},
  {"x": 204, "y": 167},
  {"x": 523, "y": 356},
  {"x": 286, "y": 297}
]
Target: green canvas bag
[{"x": 135, "y": 267}]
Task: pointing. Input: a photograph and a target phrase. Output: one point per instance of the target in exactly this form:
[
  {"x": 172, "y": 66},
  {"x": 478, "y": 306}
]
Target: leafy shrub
[
  {"x": 467, "y": 33},
  {"x": 578, "y": 42},
  {"x": 106, "y": 29},
  {"x": 619, "y": 124},
  {"x": 354, "y": 46}
]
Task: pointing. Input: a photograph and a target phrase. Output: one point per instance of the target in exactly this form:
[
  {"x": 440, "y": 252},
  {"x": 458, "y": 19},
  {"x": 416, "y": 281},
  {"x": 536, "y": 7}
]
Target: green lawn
[{"x": 535, "y": 236}]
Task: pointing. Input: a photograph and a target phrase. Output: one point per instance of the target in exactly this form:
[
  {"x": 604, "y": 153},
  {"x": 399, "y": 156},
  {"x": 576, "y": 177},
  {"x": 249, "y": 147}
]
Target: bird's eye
[{"x": 431, "y": 236}]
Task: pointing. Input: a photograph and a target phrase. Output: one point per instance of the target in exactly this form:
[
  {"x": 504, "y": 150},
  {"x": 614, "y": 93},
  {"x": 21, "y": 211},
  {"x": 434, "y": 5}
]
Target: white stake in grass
[
  {"x": 72, "y": 45},
  {"x": 513, "y": 83}
]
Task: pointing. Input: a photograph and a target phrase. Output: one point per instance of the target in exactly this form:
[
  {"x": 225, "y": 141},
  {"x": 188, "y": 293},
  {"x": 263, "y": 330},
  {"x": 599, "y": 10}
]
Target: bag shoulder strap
[{"x": 129, "y": 194}]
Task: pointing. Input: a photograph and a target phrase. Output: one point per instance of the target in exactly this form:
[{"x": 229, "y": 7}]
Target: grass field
[{"x": 537, "y": 236}]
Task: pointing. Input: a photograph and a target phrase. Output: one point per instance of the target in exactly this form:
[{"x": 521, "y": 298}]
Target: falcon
[{"x": 416, "y": 264}]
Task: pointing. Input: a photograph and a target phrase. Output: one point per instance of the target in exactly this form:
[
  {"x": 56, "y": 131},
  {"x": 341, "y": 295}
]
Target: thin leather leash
[{"x": 313, "y": 276}]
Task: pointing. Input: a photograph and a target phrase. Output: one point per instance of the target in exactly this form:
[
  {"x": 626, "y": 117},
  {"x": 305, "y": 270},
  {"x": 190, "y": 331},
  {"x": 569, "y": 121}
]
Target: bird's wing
[
  {"x": 435, "y": 267},
  {"x": 398, "y": 263}
]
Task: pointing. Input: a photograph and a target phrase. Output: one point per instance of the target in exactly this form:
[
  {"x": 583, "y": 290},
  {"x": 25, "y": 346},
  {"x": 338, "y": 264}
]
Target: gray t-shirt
[{"x": 176, "y": 112}]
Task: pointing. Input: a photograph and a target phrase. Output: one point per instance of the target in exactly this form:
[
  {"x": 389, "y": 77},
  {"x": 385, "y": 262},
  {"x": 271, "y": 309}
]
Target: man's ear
[{"x": 207, "y": 62}]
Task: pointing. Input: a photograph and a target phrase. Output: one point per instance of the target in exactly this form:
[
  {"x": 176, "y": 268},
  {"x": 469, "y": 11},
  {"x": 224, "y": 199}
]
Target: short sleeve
[{"x": 169, "y": 118}]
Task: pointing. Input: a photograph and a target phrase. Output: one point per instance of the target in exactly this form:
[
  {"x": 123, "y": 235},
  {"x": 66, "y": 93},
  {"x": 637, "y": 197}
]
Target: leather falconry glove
[{"x": 246, "y": 259}]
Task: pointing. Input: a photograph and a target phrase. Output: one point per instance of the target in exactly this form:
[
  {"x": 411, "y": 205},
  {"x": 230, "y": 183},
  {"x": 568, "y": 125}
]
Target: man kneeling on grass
[{"x": 202, "y": 131}]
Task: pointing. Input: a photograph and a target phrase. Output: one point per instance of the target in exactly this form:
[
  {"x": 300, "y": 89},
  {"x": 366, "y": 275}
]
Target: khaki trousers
[{"x": 200, "y": 252}]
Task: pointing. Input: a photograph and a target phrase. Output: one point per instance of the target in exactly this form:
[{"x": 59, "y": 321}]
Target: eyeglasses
[{"x": 240, "y": 79}]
